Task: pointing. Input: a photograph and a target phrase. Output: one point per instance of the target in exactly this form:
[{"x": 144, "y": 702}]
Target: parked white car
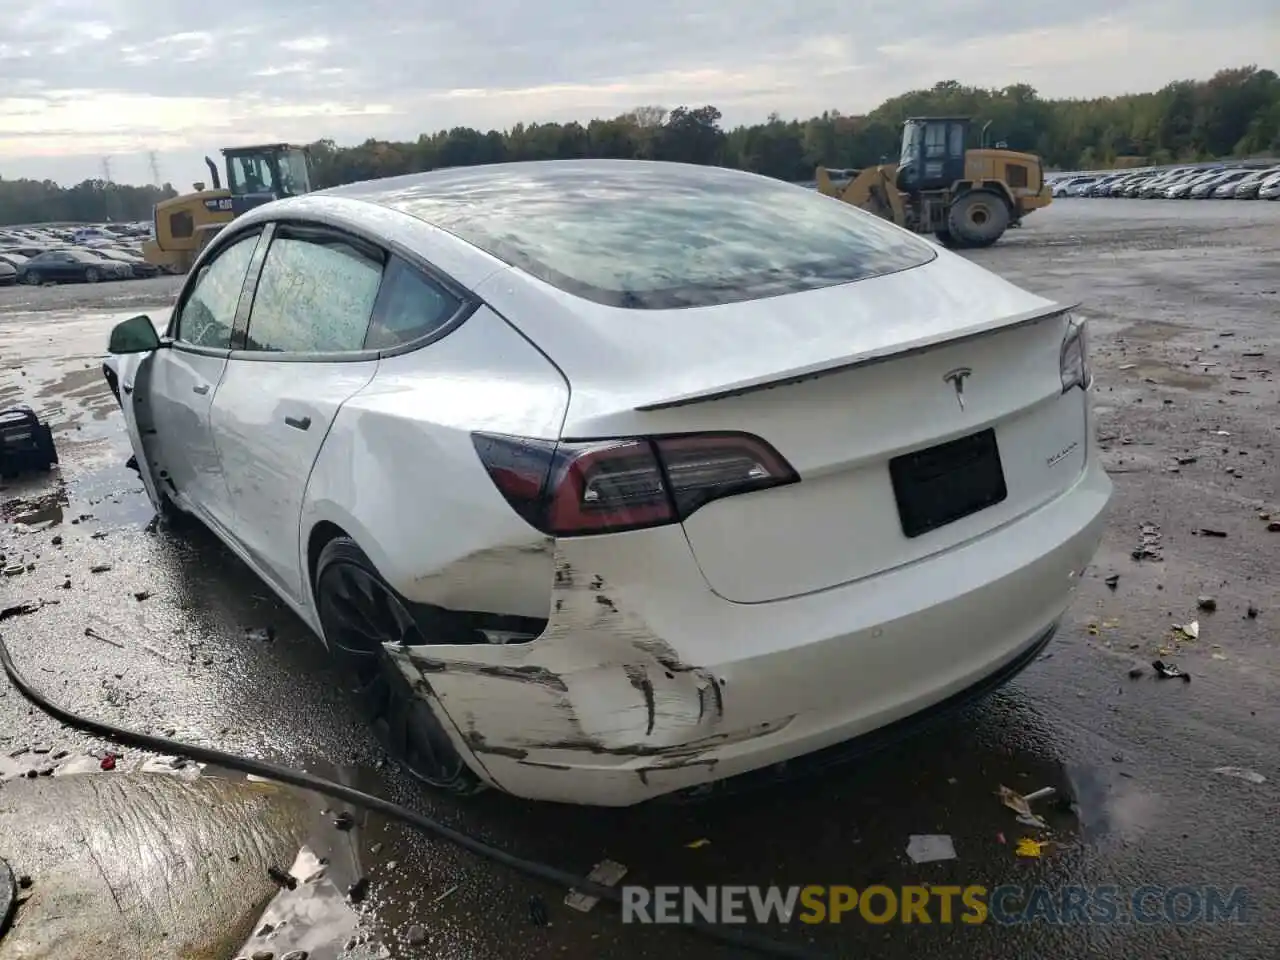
[{"x": 611, "y": 479}]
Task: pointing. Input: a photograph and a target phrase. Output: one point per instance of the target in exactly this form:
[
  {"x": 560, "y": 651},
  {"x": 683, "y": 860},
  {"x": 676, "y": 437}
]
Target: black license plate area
[{"x": 946, "y": 483}]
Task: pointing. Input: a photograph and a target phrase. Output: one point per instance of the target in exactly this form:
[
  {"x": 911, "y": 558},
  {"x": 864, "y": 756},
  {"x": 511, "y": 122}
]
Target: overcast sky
[{"x": 83, "y": 79}]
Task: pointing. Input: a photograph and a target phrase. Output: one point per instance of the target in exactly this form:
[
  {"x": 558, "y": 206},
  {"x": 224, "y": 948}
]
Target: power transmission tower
[
  {"x": 107, "y": 198},
  {"x": 153, "y": 161}
]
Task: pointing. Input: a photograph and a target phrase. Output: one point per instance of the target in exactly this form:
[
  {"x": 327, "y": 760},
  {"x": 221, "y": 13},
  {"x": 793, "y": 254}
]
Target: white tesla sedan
[{"x": 611, "y": 479}]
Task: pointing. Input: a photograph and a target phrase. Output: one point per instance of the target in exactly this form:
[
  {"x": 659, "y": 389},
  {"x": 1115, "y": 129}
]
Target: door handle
[
  {"x": 200, "y": 388},
  {"x": 127, "y": 388},
  {"x": 298, "y": 423}
]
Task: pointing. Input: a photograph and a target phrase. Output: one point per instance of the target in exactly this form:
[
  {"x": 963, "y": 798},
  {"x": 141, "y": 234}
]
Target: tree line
[{"x": 1235, "y": 113}]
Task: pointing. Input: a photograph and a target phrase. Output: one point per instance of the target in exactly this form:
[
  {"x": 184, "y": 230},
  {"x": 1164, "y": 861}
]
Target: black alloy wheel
[{"x": 361, "y": 614}]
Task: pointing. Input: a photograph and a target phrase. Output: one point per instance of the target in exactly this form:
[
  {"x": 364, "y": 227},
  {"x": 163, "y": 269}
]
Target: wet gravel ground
[{"x": 1183, "y": 300}]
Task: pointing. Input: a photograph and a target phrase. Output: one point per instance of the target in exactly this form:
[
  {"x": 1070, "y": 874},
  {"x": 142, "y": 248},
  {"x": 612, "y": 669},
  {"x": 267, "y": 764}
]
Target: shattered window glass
[
  {"x": 314, "y": 296},
  {"x": 210, "y": 310},
  {"x": 650, "y": 236}
]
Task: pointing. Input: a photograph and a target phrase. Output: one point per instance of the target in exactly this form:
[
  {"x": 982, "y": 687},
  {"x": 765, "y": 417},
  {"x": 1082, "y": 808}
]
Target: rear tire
[
  {"x": 360, "y": 613},
  {"x": 91, "y": 275},
  {"x": 978, "y": 218}
]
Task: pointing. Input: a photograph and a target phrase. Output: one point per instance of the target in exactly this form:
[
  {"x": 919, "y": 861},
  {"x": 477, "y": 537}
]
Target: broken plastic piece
[
  {"x": 929, "y": 848},
  {"x": 1241, "y": 773},
  {"x": 1168, "y": 671},
  {"x": 1028, "y": 847},
  {"x": 606, "y": 873}
]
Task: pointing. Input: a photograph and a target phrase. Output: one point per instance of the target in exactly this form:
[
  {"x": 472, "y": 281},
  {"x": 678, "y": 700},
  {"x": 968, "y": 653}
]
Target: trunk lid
[{"x": 849, "y": 384}]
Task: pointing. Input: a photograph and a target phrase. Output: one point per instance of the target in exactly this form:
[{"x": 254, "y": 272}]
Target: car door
[
  {"x": 43, "y": 266},
  {"x": 184, "y": 378},
  {"x": 302, "y": 355}
]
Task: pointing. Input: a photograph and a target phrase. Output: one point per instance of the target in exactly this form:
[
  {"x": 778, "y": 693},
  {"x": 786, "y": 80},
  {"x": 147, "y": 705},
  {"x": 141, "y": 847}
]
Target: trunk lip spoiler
[{"x": 825, "y": 368}]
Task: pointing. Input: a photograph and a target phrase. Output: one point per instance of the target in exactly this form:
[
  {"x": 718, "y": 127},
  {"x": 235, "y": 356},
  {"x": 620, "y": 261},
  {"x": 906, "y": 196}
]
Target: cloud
[{"x": 84, "y": 78}]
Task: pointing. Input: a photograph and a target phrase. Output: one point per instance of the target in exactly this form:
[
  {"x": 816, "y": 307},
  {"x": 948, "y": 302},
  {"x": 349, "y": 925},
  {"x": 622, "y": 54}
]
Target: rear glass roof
[{"x": 652, "y": 235}]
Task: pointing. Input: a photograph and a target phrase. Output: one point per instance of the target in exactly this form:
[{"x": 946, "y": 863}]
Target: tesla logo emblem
[{"x": 957, "y": 378}]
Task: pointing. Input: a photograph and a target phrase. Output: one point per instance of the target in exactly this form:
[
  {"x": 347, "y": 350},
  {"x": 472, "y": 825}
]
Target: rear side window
[
  {"x": 666, "y": 236},
  {"x": 315, "y": 295},
  {"x": 209, "y": 312},
  {"x": 411, "y": 306}
]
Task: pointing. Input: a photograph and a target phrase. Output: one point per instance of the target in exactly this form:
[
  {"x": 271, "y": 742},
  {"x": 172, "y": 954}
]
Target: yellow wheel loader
[
  {"x": 255, "y": 175},
  {"x": 966, "y": 198}
]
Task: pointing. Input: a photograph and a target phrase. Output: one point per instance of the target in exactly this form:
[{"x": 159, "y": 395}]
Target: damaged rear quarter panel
[
  {"x": 399, "y": 473},
  {"x": 600, "y": 687}
]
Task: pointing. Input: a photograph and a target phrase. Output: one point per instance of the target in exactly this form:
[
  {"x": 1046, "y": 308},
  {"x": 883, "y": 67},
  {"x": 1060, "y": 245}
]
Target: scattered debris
[
  {"x": 1273, "y": 526},
  {"x": 1187, "y": 461},
  {"x": 358, "y": 890},
  {"x": 1209, "y": 532},
  {"x": 283, "y": 878},
  {"x": 448, "y": 893},
  {"x": 93, "y": 634},
  {"x": 1150, "y": 546},
  {"x": 344, "y": 821},
  {"x": 538, "y": 912},
  {"x": 607, "y": 873},
  {"x": 142, "y": 595},
  {"x": 18, "y": 610},
  {"x": 100, "y": 568},
  {"x": 416, "y": 935},
  {"x": 1241, "y": 773},
  {"x": 260, "y": 634},
  {"x": 1028, "y": 847},
  {"x": 108, "y": 762},
  {"x": 1251, "y": 612},
  {"x": 699, "y": 844},
  {"x": 1137, "y": 672},
  {"x": 1112, "y": 581},
  {"x": 1168, "y": 671},
  {"x": 1021, "y": 805},
  {"x": 1206, "y": 603},
  {"x": 1189, "y": 631},
  {"x": 930, "y": 848}
]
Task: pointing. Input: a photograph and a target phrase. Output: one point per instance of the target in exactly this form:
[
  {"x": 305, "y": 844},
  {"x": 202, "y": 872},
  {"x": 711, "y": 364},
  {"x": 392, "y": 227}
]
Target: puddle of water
[{"x": 1108, "y": 803}]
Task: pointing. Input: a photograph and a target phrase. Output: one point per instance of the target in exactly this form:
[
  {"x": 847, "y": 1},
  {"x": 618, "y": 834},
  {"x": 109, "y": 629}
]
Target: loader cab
[
  {"x": 933, "y": 150},
  {"x": 260, "y": 174}
]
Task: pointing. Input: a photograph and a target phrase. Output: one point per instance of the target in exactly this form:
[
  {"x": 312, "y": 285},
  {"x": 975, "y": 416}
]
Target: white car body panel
[
  {"x": 617, "y": 363},
  {"x": 406, "y": 438},
  {"x": 266, "y": 461},
  {"x": 767, "y": 625}
]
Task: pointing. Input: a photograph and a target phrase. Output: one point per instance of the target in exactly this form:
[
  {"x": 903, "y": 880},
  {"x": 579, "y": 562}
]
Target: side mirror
[{"x": 135, "y": 335}]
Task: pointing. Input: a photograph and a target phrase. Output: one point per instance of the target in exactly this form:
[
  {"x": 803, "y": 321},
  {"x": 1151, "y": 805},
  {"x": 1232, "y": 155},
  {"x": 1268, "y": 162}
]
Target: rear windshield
[{"x": 650, "y": 236}]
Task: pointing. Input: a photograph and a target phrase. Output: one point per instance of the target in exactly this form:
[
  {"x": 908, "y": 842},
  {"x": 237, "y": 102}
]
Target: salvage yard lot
[{"x": 1183, "y": 302}]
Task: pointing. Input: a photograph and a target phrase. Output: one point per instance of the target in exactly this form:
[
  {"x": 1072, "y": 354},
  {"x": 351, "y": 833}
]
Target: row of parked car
[
  {"x": 40, "y": 255},
  {"x": 1220, "y": 182}
]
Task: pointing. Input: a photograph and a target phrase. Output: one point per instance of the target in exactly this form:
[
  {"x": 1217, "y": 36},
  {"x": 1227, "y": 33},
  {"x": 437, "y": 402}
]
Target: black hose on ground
[{"x": 741, "y": 939}]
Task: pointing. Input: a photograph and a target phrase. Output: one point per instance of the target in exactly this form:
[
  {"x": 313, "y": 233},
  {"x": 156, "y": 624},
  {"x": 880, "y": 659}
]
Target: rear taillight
[{"x": 605, "y": 486}]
